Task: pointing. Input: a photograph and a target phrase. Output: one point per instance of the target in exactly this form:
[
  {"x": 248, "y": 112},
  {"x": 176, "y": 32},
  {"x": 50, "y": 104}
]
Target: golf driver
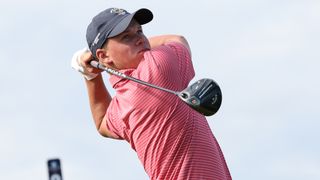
[{"x": 203, "y": 96}]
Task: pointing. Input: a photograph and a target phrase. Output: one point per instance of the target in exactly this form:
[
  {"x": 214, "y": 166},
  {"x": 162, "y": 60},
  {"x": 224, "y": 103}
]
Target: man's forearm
[{"x": 99, "y": 99}]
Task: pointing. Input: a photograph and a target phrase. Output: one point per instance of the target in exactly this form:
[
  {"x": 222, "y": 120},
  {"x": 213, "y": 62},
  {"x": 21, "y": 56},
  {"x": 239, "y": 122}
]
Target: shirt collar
[{"x": 114, "y": 80}]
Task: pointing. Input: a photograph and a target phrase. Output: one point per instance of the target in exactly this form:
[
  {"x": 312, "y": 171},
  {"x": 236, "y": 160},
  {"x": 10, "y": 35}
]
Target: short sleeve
[
  {"x": 173, "y": 62},
  {"x": 184, "y": 59},
  {"x": 113, "y": 123}
]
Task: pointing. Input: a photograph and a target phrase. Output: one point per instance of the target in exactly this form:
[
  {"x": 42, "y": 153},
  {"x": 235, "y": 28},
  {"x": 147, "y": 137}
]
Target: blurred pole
[{"x": 54, "y": 169}]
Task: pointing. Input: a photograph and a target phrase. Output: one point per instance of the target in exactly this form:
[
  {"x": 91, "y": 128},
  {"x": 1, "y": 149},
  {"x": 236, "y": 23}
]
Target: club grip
[{"x": 97, "y": 65}]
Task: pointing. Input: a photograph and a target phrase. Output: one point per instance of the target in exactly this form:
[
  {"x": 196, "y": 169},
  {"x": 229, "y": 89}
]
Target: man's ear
[{"x": 103, "y": 56}]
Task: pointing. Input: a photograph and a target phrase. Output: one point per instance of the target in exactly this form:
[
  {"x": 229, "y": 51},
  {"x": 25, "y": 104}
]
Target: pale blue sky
[{"x": 263, "y": 53}]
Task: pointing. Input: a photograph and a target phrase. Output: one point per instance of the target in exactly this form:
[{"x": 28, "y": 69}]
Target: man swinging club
[{"x": 172, "y": 140}]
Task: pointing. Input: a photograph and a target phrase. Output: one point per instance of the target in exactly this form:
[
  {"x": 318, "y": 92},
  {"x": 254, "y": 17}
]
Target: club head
[{"x": 204, "y": 96}]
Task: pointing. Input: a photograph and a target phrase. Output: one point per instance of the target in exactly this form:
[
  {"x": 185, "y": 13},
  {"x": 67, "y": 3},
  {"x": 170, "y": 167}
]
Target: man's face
[{"x": 126, "y": 50}]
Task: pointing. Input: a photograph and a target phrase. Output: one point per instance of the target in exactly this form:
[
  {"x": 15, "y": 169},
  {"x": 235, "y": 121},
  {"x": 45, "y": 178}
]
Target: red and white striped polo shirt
[{"x": 172, "y": 141}]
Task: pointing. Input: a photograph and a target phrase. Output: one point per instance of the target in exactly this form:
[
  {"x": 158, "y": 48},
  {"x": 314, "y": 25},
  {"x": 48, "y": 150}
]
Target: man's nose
[{"x": 140, "y": 39}]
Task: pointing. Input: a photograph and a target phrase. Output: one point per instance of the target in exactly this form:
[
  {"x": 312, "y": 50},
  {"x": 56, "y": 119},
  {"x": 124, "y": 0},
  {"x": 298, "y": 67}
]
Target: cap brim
[{"x": 142, "y": 16}]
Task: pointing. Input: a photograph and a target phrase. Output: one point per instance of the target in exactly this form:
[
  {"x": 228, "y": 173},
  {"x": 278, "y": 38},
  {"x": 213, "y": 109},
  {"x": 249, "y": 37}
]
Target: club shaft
[{"x": 122, "y": 75}]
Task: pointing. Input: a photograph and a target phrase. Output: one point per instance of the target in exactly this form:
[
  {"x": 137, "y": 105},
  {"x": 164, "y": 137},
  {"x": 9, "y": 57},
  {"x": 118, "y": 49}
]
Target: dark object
[
  {"x": 203, "y": 96},
  {"x": 54, "y": 169}
]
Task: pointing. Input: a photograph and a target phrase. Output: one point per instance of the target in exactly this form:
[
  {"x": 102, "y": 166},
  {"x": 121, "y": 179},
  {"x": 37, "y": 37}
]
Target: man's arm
[
  {"x": 99, "y": 97},
  {"x": 163, "y": 39}
]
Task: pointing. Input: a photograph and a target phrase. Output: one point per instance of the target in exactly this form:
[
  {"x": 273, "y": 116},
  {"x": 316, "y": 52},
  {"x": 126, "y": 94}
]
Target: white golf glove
[{"x": 75, "y": 64}]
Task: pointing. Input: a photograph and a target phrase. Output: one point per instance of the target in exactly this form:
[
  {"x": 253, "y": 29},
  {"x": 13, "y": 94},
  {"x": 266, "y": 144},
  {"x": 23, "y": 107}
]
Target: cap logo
[
  {"x": 118, "y": 11},
  {"x": 96, "y": 40}
]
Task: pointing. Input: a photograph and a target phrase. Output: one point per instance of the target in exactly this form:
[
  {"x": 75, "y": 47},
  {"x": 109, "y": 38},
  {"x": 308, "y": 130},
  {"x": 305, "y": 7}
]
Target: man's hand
[{"x": 81, "y": 62}]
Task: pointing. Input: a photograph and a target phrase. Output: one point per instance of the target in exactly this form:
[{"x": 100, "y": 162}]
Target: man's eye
[{"x": 125, "y": 37}]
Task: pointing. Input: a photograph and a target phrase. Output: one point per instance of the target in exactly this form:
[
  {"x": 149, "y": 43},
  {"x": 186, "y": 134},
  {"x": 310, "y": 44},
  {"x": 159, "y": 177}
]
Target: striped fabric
[{"x": 172, "y": 141}]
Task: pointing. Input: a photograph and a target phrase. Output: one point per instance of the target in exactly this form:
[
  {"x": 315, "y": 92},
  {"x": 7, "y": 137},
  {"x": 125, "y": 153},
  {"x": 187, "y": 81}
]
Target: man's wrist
[{"x": 75, "y": 64}]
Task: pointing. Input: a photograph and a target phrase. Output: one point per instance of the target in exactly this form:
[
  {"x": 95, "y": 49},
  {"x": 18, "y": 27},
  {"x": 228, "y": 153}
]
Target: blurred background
[{"x": 263, "y": 53}]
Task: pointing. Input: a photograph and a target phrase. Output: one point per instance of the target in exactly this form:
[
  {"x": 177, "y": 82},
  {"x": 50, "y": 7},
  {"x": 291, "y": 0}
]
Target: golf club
[{"x": 203, "y": 96}]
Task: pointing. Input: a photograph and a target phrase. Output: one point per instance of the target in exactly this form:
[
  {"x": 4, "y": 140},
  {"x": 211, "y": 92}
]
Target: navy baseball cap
[{"x": 111, "y": 22}]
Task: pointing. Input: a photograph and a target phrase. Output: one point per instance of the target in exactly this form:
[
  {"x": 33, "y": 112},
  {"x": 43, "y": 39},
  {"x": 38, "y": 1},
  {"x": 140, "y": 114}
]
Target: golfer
[{"x": 172, "y": 141}]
